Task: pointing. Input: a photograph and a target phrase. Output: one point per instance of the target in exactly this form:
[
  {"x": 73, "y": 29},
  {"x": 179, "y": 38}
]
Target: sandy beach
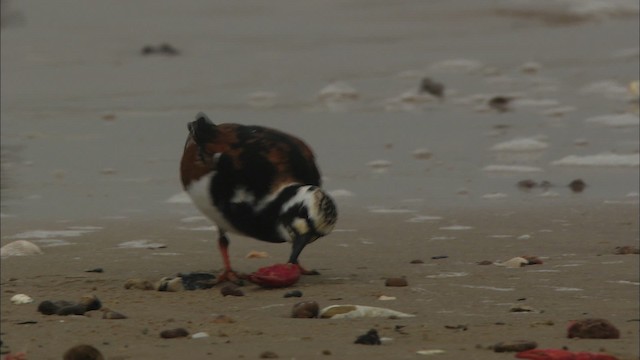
[{"x": 94, "y": 120}]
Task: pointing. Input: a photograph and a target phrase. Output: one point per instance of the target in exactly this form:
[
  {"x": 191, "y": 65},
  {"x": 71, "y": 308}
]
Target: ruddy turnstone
[{"x": 258, "y": 182}]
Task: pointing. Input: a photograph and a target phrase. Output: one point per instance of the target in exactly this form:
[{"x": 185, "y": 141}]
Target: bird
[{"x": 258, "y": 182}]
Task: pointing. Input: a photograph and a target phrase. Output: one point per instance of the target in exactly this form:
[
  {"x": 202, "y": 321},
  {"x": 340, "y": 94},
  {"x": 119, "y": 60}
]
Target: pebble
[
  {"x": 522, "y": 308},
  {"x": 63, "y": 307},
  {"x": 232, "y": 290},
  {"x": 527, "y": 184},
  {"x": 577, "y": 185},
  {"x": 422, "y": 154},
  {"x": 162, "y": 49},
  {"x": 19, "y": 299},
  {"x": 515, "y": 346},
  {"x": 96, "y": 270},
  {"x": 20, "y": 248},
  {"x": 397, "y": 282},
  {"x": 485, "y": 262},
  {"x": 417, "y": 261},
  {"x": 592, "y": 329},
  {"x": 370, "y": 338},
  {"x": 305, "y": 310},
  {"x": 83, "y": 352},
  {"x": 293, "y": 293},
  {"x": 139, "y": 284},
  {"x": 113, "y": 315},
  {"x": 174, "y": 333},
  {"x": 269, "y": 355},
  {"x": 500, "y": 103},
  {"x": 432, "y": 87}
]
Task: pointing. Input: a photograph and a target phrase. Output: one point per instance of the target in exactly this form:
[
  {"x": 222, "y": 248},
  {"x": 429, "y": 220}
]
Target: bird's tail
[{"x": 202, "y": 129}]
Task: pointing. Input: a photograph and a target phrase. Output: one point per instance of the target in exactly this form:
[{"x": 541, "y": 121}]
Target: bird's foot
[
  {"x": 230, "y": 276},
  {"x": 304, "y": 271}
]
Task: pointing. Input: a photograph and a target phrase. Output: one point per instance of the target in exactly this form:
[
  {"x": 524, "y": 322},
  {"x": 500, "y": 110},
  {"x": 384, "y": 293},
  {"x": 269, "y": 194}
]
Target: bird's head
[{"x": 306, "y": 216}]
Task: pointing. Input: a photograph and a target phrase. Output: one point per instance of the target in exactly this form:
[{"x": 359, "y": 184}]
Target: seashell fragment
[
  {"x": 171, "y": 284},
  {"x": 358, "y": 311},
  {"x": 20, "y": 248},
  {"x": 515, "y": 262},
  {"x": 200, "y": 335},
  {"x": 305, "y": 310},
  {"x": 19, "y": 299},
  {"x": 338, "y": 91},
  {"x": 430, "y": 352}
]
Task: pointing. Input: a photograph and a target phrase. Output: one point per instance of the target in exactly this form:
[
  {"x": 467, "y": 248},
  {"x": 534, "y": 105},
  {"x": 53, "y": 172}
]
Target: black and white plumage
[{"x": 258, "y": 182}]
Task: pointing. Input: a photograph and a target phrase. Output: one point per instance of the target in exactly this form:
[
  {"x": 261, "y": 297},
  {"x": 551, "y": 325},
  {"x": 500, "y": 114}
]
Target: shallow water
[{"x": 93, "y": 129}]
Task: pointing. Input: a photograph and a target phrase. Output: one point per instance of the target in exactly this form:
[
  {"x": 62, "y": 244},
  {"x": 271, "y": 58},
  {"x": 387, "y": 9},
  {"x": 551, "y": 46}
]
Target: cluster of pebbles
[{"x": 86, "y": 304}]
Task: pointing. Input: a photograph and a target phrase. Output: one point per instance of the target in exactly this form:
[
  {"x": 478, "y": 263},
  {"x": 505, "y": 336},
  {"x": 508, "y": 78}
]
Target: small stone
[
  {"x": 83, "y": 352},
  {"x": 515, "y": 346},
  {"x": 293, "y": 293},
  {"x": 592, "y": 329},
  {"x": 326, "y": 352},
  {"x": 269, "y": 355},
  {"x": 432, "y": 87},
  {"x": 90, "y": 302},
  {"x": 522, "y": 308},
  {"x": 113, "y": 315},
  {"x": 577, "y": 185},
  {"x": 232, "y": 290},
  {"x": 417, "y": 261},
  {"x": 75, "y": 309},
  {"x": 438, "y": 257},
  {"x": 47, "y": 308},
  {"x": 396, "y": 282},
  {"x": 485, "y": 262},
  {"x": 527, "y": 184},
  {"x": 96, "y": 270},
  {"x": 500, "y": 103},
  {"x": 305, "y": 310},
  {"x": 174, "y": 333},
  {"x": 370, "y": 338}
]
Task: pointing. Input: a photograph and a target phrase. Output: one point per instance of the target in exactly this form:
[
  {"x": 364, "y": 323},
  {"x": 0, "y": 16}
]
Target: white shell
[
  {"x": 21, "y": 299},
  {"x": 20, "y": 248},
  {"x": 516, "y": 262},
  {"x": 358, "y": 311},
  {"x": 200, "y": 335}
]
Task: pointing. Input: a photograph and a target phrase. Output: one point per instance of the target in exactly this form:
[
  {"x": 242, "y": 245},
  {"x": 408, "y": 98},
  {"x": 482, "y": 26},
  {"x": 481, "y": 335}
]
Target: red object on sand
[
  {"x": 276, "y": 276},
  {"x": 556, "y": 354}
]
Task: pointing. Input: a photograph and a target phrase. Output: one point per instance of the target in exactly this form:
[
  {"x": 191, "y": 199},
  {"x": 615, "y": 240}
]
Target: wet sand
[
  {"x": 92, "y": 132},
  {"x": 581, "y": 277}
]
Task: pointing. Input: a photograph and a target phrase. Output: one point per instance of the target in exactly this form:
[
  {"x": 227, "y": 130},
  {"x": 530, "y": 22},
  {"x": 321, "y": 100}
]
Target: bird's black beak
[{"x": 298, "y": 244}]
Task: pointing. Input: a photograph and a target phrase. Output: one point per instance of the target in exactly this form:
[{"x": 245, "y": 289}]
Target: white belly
[{"x": 201, "y": 196}]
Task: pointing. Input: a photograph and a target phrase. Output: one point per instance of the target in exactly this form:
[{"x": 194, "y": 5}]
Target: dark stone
[
  {"x": 174, "y": 333},
  {"x": 293, "y": 293},
  {"x": 198, "y": 280},
  {"x": 370, "y": 338}
]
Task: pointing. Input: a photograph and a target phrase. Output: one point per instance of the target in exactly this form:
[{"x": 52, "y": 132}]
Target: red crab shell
[
  {"x": 556, "y": 354},
  {"x": 276, "y": 276}
]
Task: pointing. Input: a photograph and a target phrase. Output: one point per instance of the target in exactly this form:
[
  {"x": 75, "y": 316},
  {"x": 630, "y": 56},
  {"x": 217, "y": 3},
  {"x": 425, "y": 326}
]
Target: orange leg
[{"x": 228, "y": 274}]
